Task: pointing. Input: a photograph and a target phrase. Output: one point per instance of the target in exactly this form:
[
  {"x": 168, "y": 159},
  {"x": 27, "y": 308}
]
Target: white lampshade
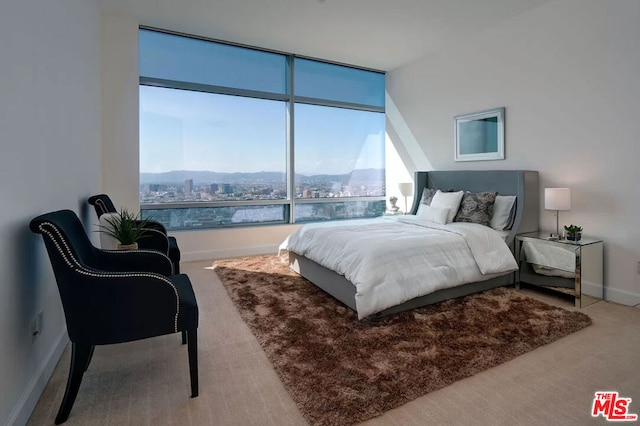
[
  {"x": 557, "y": 198},
  {"x": 406, "y": 189}
]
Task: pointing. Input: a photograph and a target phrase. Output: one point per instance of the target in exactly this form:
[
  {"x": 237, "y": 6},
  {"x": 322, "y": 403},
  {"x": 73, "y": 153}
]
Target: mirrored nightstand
[{"x": 570, "y": 267}]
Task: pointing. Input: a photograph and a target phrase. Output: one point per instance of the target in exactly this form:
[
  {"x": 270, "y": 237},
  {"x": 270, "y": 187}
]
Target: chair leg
[
  {"x": 184, "y": 337},
  {"x": 192, "y": 349},
  {"x": 80, "y": 359},
  {"x": 89, "y": 357}
]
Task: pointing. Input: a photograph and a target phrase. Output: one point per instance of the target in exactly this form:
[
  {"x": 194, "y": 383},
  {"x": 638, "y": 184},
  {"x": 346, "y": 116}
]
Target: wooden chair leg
[
  {"x": 192, "y": 349},
  {"x": 80, "y": 359}
]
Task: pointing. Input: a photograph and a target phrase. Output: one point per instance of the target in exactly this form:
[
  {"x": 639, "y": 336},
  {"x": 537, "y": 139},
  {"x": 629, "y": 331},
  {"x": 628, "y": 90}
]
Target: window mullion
[{"x": 291, "y": 177}]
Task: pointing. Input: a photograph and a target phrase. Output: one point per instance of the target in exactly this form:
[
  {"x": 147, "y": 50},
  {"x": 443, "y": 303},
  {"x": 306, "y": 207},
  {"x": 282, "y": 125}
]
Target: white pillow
[
  {"x": 450, "y": 200},
  {"x": 502, "y": 211},
  {"x": 433, "y": 213}
]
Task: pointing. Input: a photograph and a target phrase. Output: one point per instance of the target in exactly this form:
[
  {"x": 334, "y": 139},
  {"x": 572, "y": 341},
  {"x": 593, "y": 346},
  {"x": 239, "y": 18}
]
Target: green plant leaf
[
  {"x": 573, "y": 228},
  {"x": 126, "y": 227}
]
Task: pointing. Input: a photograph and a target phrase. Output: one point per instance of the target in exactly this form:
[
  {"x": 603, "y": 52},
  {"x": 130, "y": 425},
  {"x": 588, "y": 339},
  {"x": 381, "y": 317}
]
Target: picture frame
[{"x": 479, "y": 136}]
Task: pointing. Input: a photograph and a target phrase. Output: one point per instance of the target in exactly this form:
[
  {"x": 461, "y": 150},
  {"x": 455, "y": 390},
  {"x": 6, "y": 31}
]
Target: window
[
  {"x": 339, "y": 153},
  {"x": 236, "y": 136}
]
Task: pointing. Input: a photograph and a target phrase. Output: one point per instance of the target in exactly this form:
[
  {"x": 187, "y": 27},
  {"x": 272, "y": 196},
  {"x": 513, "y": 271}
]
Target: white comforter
[
  {"x": 550, "y": 258},
  {"x": 394, "y": 259}
]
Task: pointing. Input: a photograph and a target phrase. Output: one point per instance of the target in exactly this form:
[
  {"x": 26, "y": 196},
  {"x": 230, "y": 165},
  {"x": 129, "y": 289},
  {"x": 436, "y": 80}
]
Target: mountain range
[{"x": 207, "y": 177}]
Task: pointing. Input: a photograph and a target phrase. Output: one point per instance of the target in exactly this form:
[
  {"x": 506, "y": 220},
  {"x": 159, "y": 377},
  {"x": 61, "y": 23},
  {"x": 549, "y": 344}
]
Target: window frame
[{"x": 290, "y": 100}]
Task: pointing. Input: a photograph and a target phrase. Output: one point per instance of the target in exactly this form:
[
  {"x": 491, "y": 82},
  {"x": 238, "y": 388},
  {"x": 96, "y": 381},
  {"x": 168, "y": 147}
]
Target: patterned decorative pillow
[
  {"x": 476, "y": 207},
  {"x": 427, "y": 196}
]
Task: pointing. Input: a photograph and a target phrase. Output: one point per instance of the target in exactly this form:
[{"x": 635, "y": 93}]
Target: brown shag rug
[{"x": 341, "y": 371}]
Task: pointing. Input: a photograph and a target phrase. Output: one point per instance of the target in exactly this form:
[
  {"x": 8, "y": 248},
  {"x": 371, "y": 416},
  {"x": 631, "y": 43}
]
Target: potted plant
[
  {"x": 125, "y": 227},
  {"x": 573, "y": 232}
]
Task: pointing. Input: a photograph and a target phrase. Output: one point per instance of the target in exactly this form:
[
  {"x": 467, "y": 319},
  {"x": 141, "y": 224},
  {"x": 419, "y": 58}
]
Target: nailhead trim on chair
[{"x": 78, "y": 267}]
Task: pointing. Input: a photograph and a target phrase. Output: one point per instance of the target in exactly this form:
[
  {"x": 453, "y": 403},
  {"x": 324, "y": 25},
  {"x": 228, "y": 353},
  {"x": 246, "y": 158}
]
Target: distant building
[
  {"x": 226, "y": 188},
  {"x": 213, "y": 188},
  {"x": 188, "y": 186}
]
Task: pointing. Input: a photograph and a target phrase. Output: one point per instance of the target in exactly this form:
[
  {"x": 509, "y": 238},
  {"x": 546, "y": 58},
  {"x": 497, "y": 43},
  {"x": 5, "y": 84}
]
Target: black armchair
[
  {"x": 106, "y": 295},
  {"x": 103, "y": 204}
]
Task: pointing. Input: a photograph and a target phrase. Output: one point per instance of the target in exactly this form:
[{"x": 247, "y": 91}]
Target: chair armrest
[
  {"x": 154, "y": 224},
  {"x": 154, "y": 239},
  {"x": 115, "y": 307},
  {"x": 132, "y": 261}
]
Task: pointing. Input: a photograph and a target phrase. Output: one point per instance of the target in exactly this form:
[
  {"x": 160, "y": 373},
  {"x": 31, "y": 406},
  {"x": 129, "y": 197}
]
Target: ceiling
[{"x": 378, "y": 34}]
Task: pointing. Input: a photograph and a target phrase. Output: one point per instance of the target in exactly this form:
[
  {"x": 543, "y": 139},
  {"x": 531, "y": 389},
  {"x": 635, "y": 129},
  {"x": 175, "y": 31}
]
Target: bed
[{"x": 519, "y": 183}]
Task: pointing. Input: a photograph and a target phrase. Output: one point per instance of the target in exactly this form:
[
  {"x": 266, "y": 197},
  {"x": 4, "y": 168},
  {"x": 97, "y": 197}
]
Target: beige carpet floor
[{"x": 147, "y": 382}]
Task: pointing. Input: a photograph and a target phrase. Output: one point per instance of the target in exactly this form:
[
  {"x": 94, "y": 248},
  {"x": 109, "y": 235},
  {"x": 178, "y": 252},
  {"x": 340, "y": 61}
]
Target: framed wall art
[{"x": 479, "y": 136}]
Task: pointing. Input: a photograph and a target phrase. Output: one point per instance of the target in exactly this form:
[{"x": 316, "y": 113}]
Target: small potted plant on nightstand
[
  {"x": 125, "y": 227},
  {"x": 573, "y": 232}
]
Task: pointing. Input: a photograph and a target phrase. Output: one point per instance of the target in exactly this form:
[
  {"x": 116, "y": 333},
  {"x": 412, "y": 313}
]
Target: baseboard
[
  {"x": 23, "y": 409},
  {"x": 622, "y": 297},
  {"x": 227, "y": 253}
]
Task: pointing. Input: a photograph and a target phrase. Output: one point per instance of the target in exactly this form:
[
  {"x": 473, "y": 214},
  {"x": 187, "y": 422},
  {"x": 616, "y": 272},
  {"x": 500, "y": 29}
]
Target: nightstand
[{"x": 569, "y": 267}]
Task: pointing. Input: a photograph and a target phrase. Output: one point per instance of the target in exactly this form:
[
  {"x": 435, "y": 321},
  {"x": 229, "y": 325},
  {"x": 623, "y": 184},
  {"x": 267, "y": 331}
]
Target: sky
[{"x": 185, "y": 130}]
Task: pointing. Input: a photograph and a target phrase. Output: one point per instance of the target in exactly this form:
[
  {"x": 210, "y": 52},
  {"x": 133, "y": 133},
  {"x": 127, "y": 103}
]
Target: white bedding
[
  {"x": 394, "y": 259},
  {"x": 550, "y": 258}
]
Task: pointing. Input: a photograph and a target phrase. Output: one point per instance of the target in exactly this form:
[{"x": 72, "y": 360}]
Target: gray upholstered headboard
[{"x": 521, "y": 183}]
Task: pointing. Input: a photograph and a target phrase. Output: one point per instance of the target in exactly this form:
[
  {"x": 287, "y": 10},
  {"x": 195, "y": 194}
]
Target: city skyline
[
  {"x": 325, "y": 188},
  {"x": 183, "y": 187}
]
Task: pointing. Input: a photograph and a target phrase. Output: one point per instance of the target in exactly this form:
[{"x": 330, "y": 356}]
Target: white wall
[
  {"x": 221, "y": 243},
  {"x": 120, "y": 130},
  {"x": 567, "y": 73},
  {"x": 50, "y": 160}
]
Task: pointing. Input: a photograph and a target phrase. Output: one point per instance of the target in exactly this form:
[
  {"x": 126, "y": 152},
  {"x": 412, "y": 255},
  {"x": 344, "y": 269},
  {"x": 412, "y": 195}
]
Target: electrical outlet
[{"x": 35, "y": 326}]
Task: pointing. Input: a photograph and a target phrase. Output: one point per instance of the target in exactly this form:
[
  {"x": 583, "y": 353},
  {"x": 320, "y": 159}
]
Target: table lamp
[
  {"x": 406, "y": 189},
  {"x": 557, "y": 199}
]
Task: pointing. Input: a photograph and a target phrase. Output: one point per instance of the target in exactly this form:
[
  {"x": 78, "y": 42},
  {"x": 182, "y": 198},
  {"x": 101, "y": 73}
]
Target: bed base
[{"x": 344, "y": 291}]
